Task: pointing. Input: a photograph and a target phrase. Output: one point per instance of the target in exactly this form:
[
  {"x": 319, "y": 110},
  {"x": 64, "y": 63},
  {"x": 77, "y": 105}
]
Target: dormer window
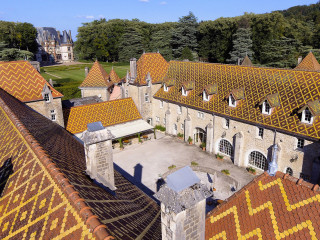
[
  {"x": 165, "y": 88},
  {"x": 232, "y": 101},
  {"x": 46, "y": 97},
  {"x": 307, "y": 116},
  {"x": 266, "y": 109},
  {"x": 205, "y": 96},
  {"x": 208, "y": 92},
  {"x": 184, "y": 92}
]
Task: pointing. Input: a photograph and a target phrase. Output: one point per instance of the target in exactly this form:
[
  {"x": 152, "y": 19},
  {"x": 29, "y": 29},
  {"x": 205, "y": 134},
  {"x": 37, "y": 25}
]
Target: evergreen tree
[
  {"x": 160, "y": 41},
  {"x": 186, "y": 54},
  {"x": 185, "y": 35},
  {"x": 242, "y": 45},
  {"x": 131, "y": 44}
]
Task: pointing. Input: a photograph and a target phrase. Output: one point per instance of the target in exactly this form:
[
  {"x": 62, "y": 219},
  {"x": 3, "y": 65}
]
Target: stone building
[
  {"x": 238, "y": 111},
  {"x": 54, "y": 46},
  {"x": 25, "y": 83},
  {"x": 99, "y": 83}
]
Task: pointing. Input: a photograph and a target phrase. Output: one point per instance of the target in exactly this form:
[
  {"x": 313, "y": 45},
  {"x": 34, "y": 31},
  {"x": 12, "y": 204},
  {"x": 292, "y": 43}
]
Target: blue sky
[{"x": 70, "y": 14}]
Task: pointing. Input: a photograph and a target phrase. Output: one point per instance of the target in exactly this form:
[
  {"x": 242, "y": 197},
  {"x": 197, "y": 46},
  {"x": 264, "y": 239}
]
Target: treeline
[
  {"x": 273, "y": 39},
  {"x": 17, "y": 40}
]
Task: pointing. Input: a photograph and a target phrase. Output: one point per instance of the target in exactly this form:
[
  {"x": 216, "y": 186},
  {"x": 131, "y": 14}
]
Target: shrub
[
  {"x": 193, "y": 163},
  {"x": 172, "y": 167},
  {"x": 190, "y": 139},
  {"x": 180, "y": 135},
  {"x": 251, "y": 169},
  {"x": 225, "y": 171},
  {"x": 160, "y": 127}
]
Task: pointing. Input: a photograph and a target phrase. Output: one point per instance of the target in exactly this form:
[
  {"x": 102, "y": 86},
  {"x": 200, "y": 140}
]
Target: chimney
[
  {"x": 98, "y": 150},
  {"x": 86, "y": 71},
  {"x": 133, "y": 69},
  {"x": 183, "y": 206},
  {"x": 239, "y": 61},
  {"x": 299, "y": 60}
]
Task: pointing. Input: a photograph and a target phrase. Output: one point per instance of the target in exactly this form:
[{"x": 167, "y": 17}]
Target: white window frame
[
  {"x": 161, "y": 104},
  {"x": 300, "y": 143},
  {"x": 225, "y": 147},
  {"x": 179, "y": 109},
  {"x": 146, "y": 97},
  {"x": 260, "y": 132},
  {"x": 184, "y": 92},
  {"x": 230, "y": 101},
  {"x": 305, "y": 115},
  {"x": 165, "y": 88},
  {"x": 206, "y": 97},
  {"x": 53, "y": 115},
  {"x": 255, "y": 160},
  {"x": 47, "y": 97},
  {"x": 265, "y": 105}
]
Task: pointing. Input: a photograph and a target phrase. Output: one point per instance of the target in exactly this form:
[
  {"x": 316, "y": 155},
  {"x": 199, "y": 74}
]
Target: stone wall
[
  {"x": 103, "y": 93},
  {"x": 45, "y": 108}
]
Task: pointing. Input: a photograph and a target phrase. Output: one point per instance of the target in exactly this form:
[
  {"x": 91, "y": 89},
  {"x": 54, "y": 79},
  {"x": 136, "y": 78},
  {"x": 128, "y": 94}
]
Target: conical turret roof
[
  {"x": 309, "y": 63},
  {"x": 97, "y": 77}
]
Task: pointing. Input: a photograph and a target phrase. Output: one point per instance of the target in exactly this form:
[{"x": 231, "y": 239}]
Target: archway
[
  {"x": 225, "y": 147},
  {"x": 258, "y": 160}
]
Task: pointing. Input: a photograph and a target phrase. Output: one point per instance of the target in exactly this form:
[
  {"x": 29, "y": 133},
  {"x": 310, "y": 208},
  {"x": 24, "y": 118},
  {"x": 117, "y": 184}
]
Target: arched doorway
[
  {"x": 225, "y": 147},
  {"x": 200, "y": 135},
  {"x": 258, "y": 160}
]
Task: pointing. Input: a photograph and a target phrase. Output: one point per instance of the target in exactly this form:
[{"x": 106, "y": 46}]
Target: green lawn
[{"x": 68, "y": 78}]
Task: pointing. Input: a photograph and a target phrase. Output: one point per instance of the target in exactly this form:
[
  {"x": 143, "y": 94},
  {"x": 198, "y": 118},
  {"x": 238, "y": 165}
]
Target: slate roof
[
  {"x": 49, "y": 195},
  {"x": 80, "y": 101},
  {"x": 294, "y": 88},
  {"x": 97, "y": 77},
  {"x": 23, "y": 81},
  {"x": 109, "y": 113},
  {"x": 277, "y": 207},
  {"x": 153, "y": 63},
  {"x": 309, "y": 63}
]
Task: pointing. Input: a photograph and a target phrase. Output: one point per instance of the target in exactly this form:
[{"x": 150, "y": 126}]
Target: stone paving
[{"x": 145, "y": 163}]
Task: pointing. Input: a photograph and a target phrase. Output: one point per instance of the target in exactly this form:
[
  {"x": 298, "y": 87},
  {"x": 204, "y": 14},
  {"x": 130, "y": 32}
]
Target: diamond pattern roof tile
[{"x": 23, "y": 81}]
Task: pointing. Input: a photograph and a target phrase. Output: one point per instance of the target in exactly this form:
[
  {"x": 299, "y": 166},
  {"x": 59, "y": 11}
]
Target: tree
[
  {"x": 242, "y": 45},
  {"x": 12, "y": 54},
  {"x": 186, "y": 54},
  {"x": 185, "y": 35},
  {"x": 160, "y": 41}
]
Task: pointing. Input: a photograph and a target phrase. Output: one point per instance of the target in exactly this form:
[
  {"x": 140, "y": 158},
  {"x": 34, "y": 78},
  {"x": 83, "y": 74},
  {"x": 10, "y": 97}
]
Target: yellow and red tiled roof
[
  {"x": 108, "y": 113},
  {"x": 247, "y": 62},
  {"x": 152, "y": 63},
  {"x": 309, "y": 63},
  {"x": 113, "y": 76},
  {"x": 23, "y": 81},
  {"x": 294, "y": 88},
  {"x": 277, "y": 207},
  {"x": 97, "y": 77},
  {"x": 49, "y": 196}
]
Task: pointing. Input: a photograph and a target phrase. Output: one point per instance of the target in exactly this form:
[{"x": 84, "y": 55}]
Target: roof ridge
[
  {"x": 90, "y": 219},
  {"x": 309, "y": 63},
  {"x": 119, "y": 100}
]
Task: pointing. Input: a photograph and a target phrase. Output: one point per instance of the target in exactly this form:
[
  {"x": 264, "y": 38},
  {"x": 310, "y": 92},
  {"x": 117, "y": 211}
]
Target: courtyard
[{"x": 145, "y": 163}]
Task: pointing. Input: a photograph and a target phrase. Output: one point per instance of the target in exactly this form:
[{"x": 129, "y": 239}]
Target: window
[
  {"x": 266, "y": 109},
  {"x": 46, "y": 97},
  {"x": 307, "y": 116},
  {"x": 69, "y": 55},
  {"x": 225, "y": 147},
  {"x": 300, "y": 143},
  {"x": 161, "y": 104},
  {"x": 184, "y": 92},
  {"x": 232, "y": 101},
  {"x": 289, "y": 171},
  {"x": 260, "y": 132},
  {"x": 146, "y": 97},
  {"x": 258, "y": 160},
  {"x": 53, "y": 115},
  {"x": 165, "y": 88},
  {"x": 157, "y": 119},
  {"x": 179, "y": 109},
  {"x": 205, "y": 96},
  {"x": 182, "y": 126},
  {"x": 227, "y": 123},
  {"x": 68, "y": 48},
  {"x": 200, "y": 115},
  {"x": 149, "y": 120}
]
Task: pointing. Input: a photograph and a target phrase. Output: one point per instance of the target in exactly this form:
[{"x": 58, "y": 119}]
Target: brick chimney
[
  {"x": 99, "y": 158},
  {"x": 133, "y": 69},
  {"x": 183, "y": 206}
]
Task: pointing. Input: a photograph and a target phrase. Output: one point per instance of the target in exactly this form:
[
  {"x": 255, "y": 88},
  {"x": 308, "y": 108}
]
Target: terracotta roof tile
[
  {"x": 152, "y": 63},
  {"x": 113, "y": 76},
  {"x": 267, "y": 208},
  {"x": 309, "y": 63},
  {"x": 247, "y": 62},
  {"x": 23, "y": 81},
  {"x": 294, "y": 89},
  {"x": 97, "y": 77},
  {"x": 109, "y": 113}
]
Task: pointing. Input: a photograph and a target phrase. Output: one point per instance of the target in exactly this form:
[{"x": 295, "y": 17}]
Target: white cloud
[
  {"x": 163, "y": 3},
  {"x": 89, "y": 17},
  {"x": 144, "y": 0}
]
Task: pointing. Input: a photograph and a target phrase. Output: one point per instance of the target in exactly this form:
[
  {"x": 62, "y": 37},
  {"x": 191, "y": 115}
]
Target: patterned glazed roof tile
[
  {"x": 268, "y": 208},
  {"x": 108, "y": 113},
  {"x": 211, "y": 89},
  {"x": 238, "y": 94},
  {"x": 273, "y": 100},
  {"x": 313, "y": 106},
  {"x": 294, "y": 88},
  {"x": 152, "y": 63},
  {"x": 169, "y": 82},
  {"x": 33, "y": 203},
  {"x": 23, "y": 81},
  {"x": 97, "y": 77},
  {"x": 188, "y": 85},
  {"x": 113, "y": 76},
  {"x": 247, "y": 62},
  {"x": 309, "y": 63}
]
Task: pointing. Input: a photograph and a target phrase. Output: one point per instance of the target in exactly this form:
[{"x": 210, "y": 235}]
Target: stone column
[
  {"x": 99, "y": 156},
  {"x": 209, "y": 143},
  {"x": 188, "y": 128},
  {"x": 237, "y": 149}
]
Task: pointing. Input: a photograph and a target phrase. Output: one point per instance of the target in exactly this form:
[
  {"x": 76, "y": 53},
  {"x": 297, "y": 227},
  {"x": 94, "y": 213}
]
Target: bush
[
  {"x": 193, "y": 163},
  {"x": 172, "y": 167},
  {"x": 180, "y": 135},
  {"x": 225, "y": 171},
  {"x": 160, "y": 127}
]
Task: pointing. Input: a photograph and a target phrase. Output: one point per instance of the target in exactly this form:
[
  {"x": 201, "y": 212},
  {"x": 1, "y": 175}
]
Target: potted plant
[
  {"x": 180, "y": 135},
  {"x": 203, "y": 146},
  {"x": 139, "y": 138},
  {"x": 120, "y": 143},
  {"x": 190, "y": 140},
  {"x": 252, "y": 170},
  {"x": 219, "y": 156}
]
